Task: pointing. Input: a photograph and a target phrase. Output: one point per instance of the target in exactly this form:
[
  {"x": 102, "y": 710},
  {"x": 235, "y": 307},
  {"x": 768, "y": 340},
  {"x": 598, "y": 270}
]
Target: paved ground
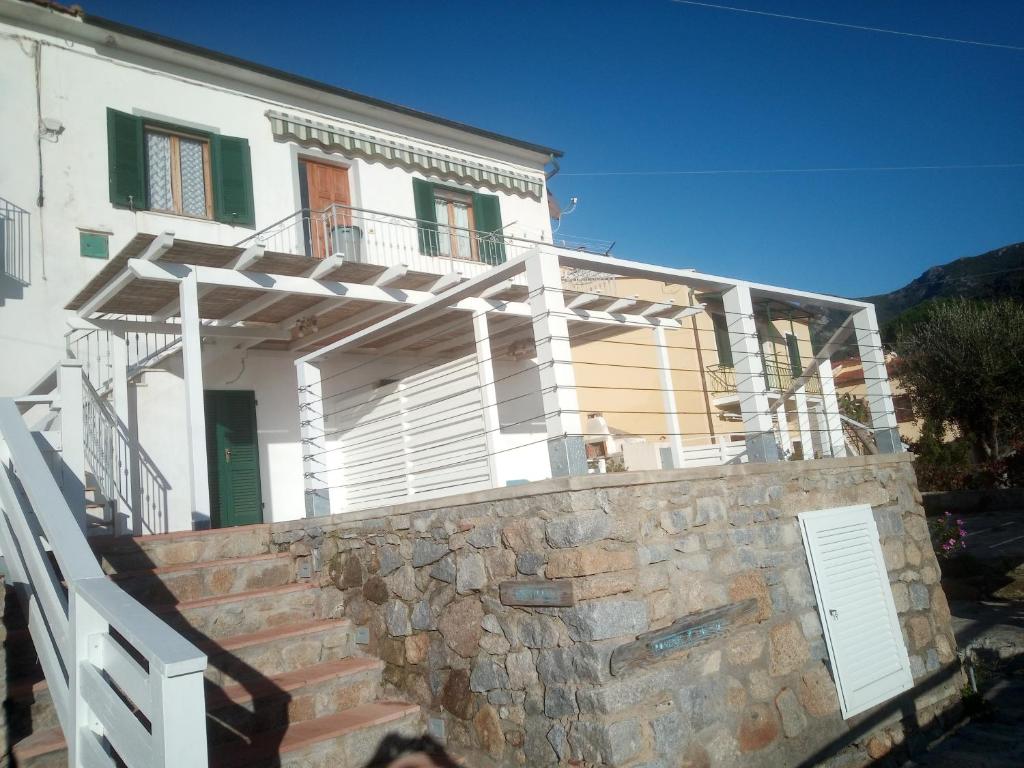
[{"x": 991, "y": 626}]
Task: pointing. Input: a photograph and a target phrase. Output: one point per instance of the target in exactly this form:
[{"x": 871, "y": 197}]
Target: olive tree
[{"x": 962, "y": 363}]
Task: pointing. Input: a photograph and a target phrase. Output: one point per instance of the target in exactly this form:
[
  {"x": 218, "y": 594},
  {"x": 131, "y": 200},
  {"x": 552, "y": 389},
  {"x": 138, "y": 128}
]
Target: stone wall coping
[{"x": 595, "y": 481}]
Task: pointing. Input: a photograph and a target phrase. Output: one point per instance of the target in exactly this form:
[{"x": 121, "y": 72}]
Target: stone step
[
  {"x": 271, "y": 652},
  {"x": 29, "y": 707},
  {"x": 239, "y": 711},
  {"x": 261, "y": 704},
  {"x": 241, "y": 613},
  {"x": 194, "y": 581},
  {"x": 43, "y": 749},
  {"x": 127, "y": 553},
  {"x": 21, "y": 653},
  {"x": 346, "y": 739}
]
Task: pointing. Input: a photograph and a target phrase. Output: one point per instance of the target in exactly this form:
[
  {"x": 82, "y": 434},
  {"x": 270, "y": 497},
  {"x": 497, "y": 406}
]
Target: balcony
[
  {"x": 363, "y": 236},
  {"x": 777, "y": 378}
]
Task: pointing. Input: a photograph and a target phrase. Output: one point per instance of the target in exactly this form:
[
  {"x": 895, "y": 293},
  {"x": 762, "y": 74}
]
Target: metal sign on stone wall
[{"x": 682, "y": 635}]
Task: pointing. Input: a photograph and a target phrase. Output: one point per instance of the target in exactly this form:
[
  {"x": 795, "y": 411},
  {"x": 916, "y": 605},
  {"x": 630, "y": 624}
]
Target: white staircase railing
[
  {"x": 93, "y": 348},
  {"x": 127, "y": 688}
]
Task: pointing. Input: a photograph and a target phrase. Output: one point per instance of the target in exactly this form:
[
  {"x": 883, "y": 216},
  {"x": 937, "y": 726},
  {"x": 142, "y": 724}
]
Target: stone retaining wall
[{"x": 532, "y": 686}]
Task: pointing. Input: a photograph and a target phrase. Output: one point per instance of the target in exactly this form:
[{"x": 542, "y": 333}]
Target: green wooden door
[{"x": 233, "y": 458}]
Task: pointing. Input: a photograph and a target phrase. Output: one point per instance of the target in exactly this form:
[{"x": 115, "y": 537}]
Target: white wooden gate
[{"x": 862, "y": 631}]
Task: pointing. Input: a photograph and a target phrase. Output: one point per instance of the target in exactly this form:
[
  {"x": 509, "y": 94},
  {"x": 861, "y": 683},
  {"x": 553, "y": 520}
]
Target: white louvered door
[{"x": 862, "y": 631}]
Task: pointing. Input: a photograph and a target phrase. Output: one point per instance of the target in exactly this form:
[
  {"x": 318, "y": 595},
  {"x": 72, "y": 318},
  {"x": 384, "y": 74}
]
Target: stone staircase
[{"x": 284, "y": 685}]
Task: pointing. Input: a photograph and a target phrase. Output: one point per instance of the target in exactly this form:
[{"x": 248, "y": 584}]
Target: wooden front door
[
  {"x": 322, "y": 186},
  {"x": 233, "y": 459}
]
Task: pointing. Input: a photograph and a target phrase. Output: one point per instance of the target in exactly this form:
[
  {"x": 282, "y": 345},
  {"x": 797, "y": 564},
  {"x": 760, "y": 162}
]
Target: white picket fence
[{"x": 88, "y": 633}]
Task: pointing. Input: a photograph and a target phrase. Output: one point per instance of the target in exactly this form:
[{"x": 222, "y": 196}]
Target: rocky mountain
[{"x": 992, "y": 275}]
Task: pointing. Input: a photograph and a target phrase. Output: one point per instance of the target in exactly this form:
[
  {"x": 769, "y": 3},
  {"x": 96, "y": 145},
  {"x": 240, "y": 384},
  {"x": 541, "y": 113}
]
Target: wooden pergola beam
[
  {"x": 244, "y": 260},
  {"x": 160, "y": 245}
]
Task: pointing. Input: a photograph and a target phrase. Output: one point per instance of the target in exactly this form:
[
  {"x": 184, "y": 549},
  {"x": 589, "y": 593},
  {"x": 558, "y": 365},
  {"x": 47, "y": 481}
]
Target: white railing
[
  {"x": 372, "y": 237},
  {"x": 15, "y": 236},
  {"x": 721, "y": 449},
  {"x": 100, "y": 441},
  {"x": 126, "y": 688},
  {"x": 93, "y": 348}
]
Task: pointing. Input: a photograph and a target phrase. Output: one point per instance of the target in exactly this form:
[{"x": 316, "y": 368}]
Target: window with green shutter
[
  {"x": 126, "y": 160},
  {"x": 795, "y": 364},
  {"x": 161, "y": 167},
  {"x": 458, "y": 224},
  {"x": 722, "y": 340},
  {"x": 232, "y": 180}
]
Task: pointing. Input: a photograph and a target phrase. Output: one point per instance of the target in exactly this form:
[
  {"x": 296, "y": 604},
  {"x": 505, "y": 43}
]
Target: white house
[{"x": 288, "y": 299}]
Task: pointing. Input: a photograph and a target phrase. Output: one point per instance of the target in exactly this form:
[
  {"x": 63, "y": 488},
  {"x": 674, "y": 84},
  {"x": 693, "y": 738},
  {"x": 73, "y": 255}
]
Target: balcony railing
[
  {"x": 777, "y": 378},
  {"x": 372, "y": 237},
  {"x": 14, "y": 242}
]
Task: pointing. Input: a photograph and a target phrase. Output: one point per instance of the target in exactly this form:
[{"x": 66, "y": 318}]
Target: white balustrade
[{"x": 88, "y": 633}]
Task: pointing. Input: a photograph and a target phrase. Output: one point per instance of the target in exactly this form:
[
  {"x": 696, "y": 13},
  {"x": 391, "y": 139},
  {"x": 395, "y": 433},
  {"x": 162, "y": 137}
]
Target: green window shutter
[
  {"x": 232, "y": 180},
  {"x": 487, "y": 216},
  {"x": 423, "y": 196},
  {"x": 795, "y": 364},
  {"x": 126, "y": 160},
  {"x": 722, "y": 340}
]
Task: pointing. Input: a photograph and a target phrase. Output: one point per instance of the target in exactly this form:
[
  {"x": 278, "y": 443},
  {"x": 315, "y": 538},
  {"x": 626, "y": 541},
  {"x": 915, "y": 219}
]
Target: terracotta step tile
[
  {"x": 326, "y": 736},
  {"x": 241, "y": 613},
  {"x": 277, "y": 650},
  {"x": 119, "y": 553},
  {"x": 193, "y": 581}
]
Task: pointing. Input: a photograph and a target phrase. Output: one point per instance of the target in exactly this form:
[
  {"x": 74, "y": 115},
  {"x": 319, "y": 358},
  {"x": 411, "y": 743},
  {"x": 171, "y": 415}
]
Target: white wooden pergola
[{"x": 310, "y": 308}]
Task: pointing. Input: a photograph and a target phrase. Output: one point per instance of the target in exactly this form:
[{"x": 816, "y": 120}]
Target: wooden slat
[
  {"x": 126, "y": 673},
  {"x": 121, "y": 727}
]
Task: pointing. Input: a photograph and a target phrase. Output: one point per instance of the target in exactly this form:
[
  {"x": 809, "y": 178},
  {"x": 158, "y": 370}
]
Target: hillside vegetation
[{"x": 993, "y": 275}]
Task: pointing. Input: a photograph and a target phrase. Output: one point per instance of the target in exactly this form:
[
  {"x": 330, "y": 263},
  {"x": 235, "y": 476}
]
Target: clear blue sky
[{"x": 652, "y": 85}]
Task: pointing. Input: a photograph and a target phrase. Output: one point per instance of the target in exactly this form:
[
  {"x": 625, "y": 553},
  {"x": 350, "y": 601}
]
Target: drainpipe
[
  {"x": 549, "y": 175},
  {"x": 37, "y": 60}
]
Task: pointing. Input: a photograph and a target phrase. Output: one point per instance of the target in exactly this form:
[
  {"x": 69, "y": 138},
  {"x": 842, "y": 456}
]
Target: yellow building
[{"x": 621, "y": 380}]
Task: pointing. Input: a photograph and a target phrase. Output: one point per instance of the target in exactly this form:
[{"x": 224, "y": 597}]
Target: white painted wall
[
  {"x": 160, "y": 407},
  {"x": 79, "y": 81}
]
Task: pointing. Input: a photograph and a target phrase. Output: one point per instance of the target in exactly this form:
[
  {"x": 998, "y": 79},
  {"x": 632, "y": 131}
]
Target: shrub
[{"x": 949, "y": 538}]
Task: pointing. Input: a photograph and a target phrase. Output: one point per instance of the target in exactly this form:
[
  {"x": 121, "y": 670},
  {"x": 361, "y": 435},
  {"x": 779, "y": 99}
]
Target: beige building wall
[{"x": 619, "y": 377}]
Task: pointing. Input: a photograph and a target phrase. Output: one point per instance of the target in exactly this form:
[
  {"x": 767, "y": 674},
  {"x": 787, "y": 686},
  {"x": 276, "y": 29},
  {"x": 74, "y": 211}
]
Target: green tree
[{"x": 963, "y": 366}]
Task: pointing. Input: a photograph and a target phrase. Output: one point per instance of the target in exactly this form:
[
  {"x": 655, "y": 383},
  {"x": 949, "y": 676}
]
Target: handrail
[
  {"x": 88, "y": 633},
  {"x": 415, "y": 222}
]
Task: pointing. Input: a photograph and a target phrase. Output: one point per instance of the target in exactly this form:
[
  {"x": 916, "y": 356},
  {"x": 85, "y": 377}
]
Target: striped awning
[{"x": 352, "y": 143}]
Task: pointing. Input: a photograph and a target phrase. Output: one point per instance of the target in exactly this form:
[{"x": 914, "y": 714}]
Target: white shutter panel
[{"x": 862, "y": 631}]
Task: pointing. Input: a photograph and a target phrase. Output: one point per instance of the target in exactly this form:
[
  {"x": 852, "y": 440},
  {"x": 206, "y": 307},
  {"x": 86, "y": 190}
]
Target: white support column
[
  {"x": 126, "y": 447},
  {"x": 312, "y": 433},
  {"x": 488, "y": 393},
  {"x": 876, "y": 380},
  {"x": 668, "y": 398},
  {"x": 830, "y": 408},
  {"x": 179, "y": 731},
  {"x": 782, "y": 420},
  {"x": 566, "y": 449},
  {"x": 195, "y": 410},
  {"x": 803, "y": 420},
  {"x": 72, "y": 437},
  {"x": 749, "y": 367},
  {"x": 86, "y": 628}
]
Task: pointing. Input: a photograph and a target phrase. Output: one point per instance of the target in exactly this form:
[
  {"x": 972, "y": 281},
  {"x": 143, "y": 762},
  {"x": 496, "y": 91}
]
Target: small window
[
  {"x": 178, "y": 173},
  {"x": 456, "y": 211}
]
